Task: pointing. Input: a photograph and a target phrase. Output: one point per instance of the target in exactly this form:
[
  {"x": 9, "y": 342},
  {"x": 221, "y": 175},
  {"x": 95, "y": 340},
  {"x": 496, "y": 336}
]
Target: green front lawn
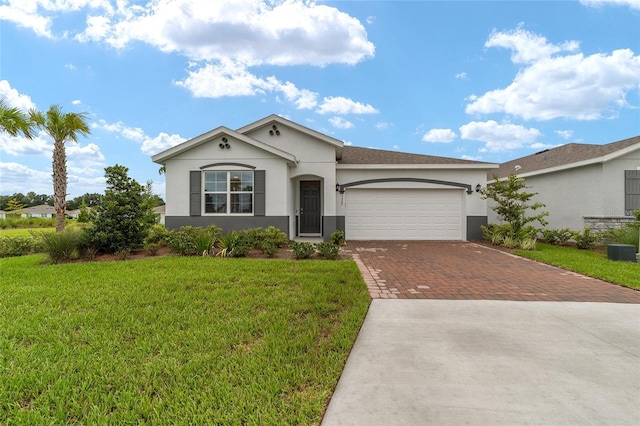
[
  {"x": 588, "y": 263},
  {"x": 169, "y": 340},
  {"x": 23, "y": 232}
]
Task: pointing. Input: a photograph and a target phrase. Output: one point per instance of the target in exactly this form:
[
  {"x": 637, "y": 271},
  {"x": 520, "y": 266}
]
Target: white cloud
[
  {"x": 340, "y": 123},
  {"x": 633, "y": 4},
  {"x": 571, "y": 86},
  {"x": 229, "y": 78},
  {"x": 163, "y": 141},
  {"x": 499, "y": 137},
  {"x": 249, "y": 31},
  {"x": 461, "y": 76},
  {"x": 13, "y": 98},
  {"x": 564, "y": 134},
  {"x": 341, "y": 105},
  {"x": 381, "y": 125},
  {"x": 76, "y": 102},
  {"x": 14, "y": 175},
  {"x": 38, "y": 15},
  {"x": 527, "y": 47},
  {"x": 21, "y": 146},
  {"x": 371, "y": 19},
  {"x": 86, "y": 155},
  {"x": 148, "y": 145},
  {"x": 439, "y": 135}
]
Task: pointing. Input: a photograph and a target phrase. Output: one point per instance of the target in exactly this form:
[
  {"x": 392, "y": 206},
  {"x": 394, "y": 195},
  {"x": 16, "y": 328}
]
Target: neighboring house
[
  {"x": 277, "y": 172},
  {"x": 72, "y": 214},
  {"x": 3, "y": 214},
  {"x": 159, "y": 211},
  {"x": 582, "y": 185},
  {"x": 43, "y": 210}
]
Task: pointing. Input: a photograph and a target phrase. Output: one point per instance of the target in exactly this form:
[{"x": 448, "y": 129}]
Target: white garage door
[{"x": 403, "y": 214}]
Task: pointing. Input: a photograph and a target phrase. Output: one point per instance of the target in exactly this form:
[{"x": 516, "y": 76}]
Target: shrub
[
  {"x": 585, "y": 239},
  {"x": 302, "y": 250},
  {"x": 204, "y": 243},
  {"x": 234, "y": 244},
  {"x": 16, "y": 246},
  {"x": 183, "y": 241},
  {"x": 627, "y": 234},
  {"x": 156, "y": 235},
  {"x": 528, "y": 244},
  {"x": 62, "y": 246},
  {"x": 496, "y": 234},
  {"x": 557, "y": 236},
  {"x": 152, "y": 248},
  {"x": 268, "y": 247},
  {"x": 328, "y": 250},
  {"x": 255, "y": 236},
  {"x": 123, "y": 254},
  {"x": 337, "y": 238}
]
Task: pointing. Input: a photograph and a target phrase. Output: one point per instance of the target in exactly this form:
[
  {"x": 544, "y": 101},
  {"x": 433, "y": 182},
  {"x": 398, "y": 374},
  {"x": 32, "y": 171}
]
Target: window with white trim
[{"x": 228, "y": 192}]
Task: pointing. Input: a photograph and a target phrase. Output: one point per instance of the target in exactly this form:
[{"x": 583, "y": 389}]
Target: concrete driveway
[
  {"x": 564, "y": 357},
  {"x": 444, "y": 362}
]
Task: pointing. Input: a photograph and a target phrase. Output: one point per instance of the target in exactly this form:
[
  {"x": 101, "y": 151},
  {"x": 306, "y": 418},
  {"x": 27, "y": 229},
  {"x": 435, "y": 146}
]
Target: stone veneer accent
[{"x": 603, "y": 223}]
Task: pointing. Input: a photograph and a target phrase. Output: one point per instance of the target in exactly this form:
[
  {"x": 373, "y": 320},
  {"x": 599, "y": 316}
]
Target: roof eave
[
  {"x": 163, "y": 157},
  {"x": 479, "y": 166}
]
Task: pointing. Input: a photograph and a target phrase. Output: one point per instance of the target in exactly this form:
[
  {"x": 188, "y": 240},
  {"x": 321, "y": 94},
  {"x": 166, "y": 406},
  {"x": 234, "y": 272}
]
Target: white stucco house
[
  {"x": 43, "y": 211},
  {"x": 582, "y": 185},
  {"x": 277, "y": 172}
]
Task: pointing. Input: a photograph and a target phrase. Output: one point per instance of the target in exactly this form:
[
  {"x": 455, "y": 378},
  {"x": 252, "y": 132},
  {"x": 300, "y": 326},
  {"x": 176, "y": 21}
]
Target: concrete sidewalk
[{"x": 421, "y": 362}]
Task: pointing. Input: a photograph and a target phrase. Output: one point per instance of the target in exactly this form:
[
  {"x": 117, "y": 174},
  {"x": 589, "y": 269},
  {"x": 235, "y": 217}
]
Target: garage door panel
[{"x": 403, "y": 214}]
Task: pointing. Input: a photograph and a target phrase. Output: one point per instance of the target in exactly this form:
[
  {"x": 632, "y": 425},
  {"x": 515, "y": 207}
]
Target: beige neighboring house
[
  {"x": 159, "y": 211},
  {"x": 275, "y": 172},
  {"x": 582, "y": 185},
  {"x": 43, "y": 211}
]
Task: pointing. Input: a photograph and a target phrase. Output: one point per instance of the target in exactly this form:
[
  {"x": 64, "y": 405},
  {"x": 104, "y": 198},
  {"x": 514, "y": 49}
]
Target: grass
[
  {"x": 175, "y": 339},
  {"x": 23, "y": 232},
  {"x": 587, "y": 262}
]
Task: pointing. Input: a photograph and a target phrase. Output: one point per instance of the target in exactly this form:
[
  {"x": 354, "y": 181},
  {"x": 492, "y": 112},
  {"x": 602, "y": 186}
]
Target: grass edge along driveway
[
  {"x": 586, "y": 262},
  {"x": 175, "y": 339}
]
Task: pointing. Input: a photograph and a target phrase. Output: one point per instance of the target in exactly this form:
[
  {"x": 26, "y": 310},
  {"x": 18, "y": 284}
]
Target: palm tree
[
  {"x": 14, "y": 121},
  {"x": 61, "y": 127}
]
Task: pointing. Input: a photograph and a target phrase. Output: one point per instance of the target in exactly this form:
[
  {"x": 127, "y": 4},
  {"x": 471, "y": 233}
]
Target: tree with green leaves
[
  {"x": 62, "y": 127},
  {"x": 513, "y": 203},
  {"x": 125, "y": 215},
  {"x": 14, "y": 122}
]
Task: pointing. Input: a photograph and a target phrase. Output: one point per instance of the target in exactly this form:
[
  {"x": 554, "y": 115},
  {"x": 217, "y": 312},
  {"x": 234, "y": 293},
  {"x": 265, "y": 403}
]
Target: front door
[{"x": 310, "y": 207}]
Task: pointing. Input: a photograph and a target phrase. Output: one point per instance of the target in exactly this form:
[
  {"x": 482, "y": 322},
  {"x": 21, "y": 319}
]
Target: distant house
[
  {"x": 275, "y": 172},
  {"x": 3, "y": 214},
  {"x": 582, "y": 185},
  {"x": 43, "y": 211},
  {"x": 159, "y": 211}
]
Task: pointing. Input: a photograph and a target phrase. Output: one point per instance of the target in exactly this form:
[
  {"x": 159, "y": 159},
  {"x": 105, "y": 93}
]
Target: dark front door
[{"x": 309, "y": 207}]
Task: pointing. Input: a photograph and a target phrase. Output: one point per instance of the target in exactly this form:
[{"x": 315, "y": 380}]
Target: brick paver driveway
[{"x": 464, "y": 271}]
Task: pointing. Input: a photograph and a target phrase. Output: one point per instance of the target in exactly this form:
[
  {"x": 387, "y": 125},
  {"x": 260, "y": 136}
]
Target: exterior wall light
[{"x": 478, "y": 187}]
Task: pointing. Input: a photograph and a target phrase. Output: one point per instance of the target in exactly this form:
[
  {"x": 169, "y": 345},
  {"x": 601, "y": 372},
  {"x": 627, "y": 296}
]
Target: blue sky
[{"x": 488, "y": 81}]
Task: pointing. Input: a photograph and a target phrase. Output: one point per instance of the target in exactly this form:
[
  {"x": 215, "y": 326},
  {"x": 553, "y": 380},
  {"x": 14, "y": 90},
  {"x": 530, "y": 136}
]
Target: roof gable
[
  {"x": 276, "y": 119},
  {"x": 219, "y": 132},
  {"x": 567, "y": 156}
]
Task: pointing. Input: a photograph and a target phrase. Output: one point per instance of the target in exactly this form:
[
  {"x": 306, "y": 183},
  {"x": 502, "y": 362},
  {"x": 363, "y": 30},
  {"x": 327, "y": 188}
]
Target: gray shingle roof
[
  {"x": 561, "y": 156},
  {"x": 357, "y": 155}
]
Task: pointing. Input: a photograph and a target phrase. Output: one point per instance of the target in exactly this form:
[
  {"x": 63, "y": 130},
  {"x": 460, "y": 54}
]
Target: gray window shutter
[
  {"x": 195, "y": 193},
  {"x": 631, "y": 191},
  {"x": 259, "y": 201}
]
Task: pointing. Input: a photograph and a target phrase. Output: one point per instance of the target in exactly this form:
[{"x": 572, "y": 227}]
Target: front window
[{"x": 228, "y": 192}]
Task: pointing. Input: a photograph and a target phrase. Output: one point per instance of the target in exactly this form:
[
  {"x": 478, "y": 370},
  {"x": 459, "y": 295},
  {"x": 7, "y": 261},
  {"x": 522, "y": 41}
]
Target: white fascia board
[
  {"x": 163, "y": 156},
  {"x": 484, "y": 166},
  {"x": 620, "y": 153}
]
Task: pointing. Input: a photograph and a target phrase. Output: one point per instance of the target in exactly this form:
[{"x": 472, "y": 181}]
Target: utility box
[{"x": 623, "y": 252}]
